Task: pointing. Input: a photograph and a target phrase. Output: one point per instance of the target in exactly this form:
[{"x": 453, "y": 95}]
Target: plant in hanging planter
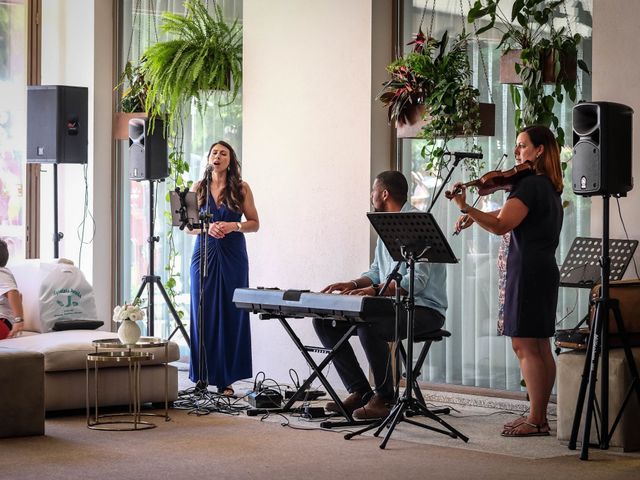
[
  {"x": 133, "y": 100},
  {"x": 433, "y": 80},
  {"x": 529, "y": 36},
  {"x": 135, "y": 88},
  {"x": 203, "y": 55}
]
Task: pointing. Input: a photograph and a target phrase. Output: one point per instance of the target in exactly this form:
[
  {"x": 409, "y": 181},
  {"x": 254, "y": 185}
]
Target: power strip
[{"x": 305, "y": 395}]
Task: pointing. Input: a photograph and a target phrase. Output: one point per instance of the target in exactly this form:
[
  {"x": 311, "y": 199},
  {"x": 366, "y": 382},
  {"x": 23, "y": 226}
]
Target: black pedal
[
  {"x": 308, "y": 411},
  {"x": 265, "y": 399}
]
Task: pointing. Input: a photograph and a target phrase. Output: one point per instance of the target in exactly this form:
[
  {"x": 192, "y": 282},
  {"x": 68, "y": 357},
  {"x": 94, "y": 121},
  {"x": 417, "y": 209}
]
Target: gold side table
[
  {"x": 110, "y": 350},
  {"x": 117, "y": 421}
]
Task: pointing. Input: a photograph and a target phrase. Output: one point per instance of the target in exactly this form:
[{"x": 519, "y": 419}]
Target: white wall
[
  {"x": 310, "y": 129},
  {"x": 616, "y": 76},
  {"x": 77, "y": 50}
]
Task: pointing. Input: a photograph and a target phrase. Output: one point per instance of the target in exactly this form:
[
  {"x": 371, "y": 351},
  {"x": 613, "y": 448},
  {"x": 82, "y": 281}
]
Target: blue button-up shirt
[{"x": 430, "y": 279}]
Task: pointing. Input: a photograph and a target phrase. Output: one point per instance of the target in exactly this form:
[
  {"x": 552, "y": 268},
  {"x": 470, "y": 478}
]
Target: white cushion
[{"x": 68, "y": 350}]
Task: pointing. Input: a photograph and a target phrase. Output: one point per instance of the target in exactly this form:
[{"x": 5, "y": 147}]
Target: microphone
[
  {"x": 467, "y": 155},
  {"x": 208, "y": 171}
]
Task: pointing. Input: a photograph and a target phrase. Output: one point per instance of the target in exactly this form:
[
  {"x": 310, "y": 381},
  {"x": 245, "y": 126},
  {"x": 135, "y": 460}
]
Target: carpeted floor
[
  {"x": 220, "y": 445},
  {"x": 241, "y": 447}
]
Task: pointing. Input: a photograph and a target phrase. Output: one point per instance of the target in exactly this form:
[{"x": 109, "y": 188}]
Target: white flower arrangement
[{"x": 127, "y": 312}]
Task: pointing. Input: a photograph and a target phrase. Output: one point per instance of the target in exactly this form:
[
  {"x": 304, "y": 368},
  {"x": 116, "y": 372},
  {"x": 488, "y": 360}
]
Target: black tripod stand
[
  {"x": 598, "y": 346},
  {"x": 411, "y": 237},
  {"x": 152, "y": 280}
]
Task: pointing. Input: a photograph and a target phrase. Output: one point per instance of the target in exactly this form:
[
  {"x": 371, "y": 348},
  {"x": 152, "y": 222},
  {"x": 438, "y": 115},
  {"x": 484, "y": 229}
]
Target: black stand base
[
  {"x": 154, "y": 280},
  {"x": 408, "y": 407}
]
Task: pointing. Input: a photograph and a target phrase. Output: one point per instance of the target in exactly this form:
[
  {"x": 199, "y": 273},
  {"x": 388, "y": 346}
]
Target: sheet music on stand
[
  {"x": 581, "y": 267},
  {"x": 416, "y": 231}
]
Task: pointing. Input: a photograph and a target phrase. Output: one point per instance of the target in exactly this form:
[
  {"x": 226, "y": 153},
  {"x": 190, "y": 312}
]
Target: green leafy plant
[
  {"x": 135, "y": 88},
  {"x": 436, "y": 75},
  {"x": 202, "y": 56},
  {"x": 530, "y": 30}
]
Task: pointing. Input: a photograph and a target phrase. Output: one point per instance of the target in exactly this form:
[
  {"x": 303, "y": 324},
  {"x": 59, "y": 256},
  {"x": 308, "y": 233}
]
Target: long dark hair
[
  {"x": 549, "y": 163},
  {"x": 232, "y": 194}
]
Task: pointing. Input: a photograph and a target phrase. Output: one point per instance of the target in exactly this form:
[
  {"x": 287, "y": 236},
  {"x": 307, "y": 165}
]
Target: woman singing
[{"x": 226, "y": 334}]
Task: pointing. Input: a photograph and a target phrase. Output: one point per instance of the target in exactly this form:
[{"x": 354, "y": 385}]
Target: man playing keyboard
[{"x": 388, "y": 194}]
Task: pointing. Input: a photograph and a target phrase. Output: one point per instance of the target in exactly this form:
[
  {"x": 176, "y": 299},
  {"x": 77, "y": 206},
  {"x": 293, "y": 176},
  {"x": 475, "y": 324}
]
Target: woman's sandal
[
  {"x": 227, "y": 391},
  {"x": 513, "y": 423},
  {"x": 541, "y": 430}
]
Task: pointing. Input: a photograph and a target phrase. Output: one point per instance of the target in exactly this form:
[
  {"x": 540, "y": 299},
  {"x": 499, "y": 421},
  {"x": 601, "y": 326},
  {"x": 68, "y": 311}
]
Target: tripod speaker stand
[
  {"x": 598, "y": 346},
  {"x": 151, "y": 280},
  {"x": 411, "y": 237}
]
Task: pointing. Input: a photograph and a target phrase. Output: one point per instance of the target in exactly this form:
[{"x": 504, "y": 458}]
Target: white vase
[{"x": 129, "y": 332}]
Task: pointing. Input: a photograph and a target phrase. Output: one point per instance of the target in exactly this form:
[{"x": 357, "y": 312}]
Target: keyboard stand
[{"x": 317, "y": 373}]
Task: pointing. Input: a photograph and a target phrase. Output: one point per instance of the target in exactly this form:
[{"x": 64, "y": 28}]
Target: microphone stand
[
  {"x": 205, "y": 220},
  {"x": 457, "y": 156}
]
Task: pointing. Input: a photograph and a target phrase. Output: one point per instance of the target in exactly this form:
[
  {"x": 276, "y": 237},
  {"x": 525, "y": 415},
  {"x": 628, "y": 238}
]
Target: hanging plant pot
[
  {"x": 120, "y": 126},
  {"x": 415, "y": 114},
  {"x": 508, "y": 75}
]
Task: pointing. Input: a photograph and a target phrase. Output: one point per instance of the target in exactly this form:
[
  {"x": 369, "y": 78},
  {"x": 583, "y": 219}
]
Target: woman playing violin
[{"x": 533, "y": 214}]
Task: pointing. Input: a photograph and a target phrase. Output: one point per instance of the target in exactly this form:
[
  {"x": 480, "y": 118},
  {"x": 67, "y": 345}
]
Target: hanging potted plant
[
  {"x": 429, "y": 97},
  {"x": 535, "y": 54},
  {"x": 132, "y": 103},
  {"x": 203, "y": 56}
]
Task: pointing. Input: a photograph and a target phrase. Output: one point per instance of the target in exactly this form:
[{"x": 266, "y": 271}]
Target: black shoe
[{"x": 351, "y": 403}]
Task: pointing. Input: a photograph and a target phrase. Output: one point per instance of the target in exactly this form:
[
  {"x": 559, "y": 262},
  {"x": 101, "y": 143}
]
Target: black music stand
[
  {"x": 411, "y": 237},
  {"x": 598, "y": 346},
  {"x": 581, "y": 267}
]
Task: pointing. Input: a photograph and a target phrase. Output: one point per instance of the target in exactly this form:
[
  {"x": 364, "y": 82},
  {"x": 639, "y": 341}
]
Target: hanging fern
[{"x": 204, "y": 55}]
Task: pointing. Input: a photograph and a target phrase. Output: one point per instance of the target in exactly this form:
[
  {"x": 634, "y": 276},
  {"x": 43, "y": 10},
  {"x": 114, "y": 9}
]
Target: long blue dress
[{"x": 226, "y": 330}]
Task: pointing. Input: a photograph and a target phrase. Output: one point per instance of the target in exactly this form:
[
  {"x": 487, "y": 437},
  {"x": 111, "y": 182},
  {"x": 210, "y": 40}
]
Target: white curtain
[{"x": 475, "y": 355}]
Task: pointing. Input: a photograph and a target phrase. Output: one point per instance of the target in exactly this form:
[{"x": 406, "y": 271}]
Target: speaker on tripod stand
[
  {"x": 602, "y": 135},
  {"x": 148, "y": 161}
]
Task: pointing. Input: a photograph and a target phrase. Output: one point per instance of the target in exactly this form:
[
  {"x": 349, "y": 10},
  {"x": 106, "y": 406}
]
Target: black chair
[{"x": 428, "y": 339}]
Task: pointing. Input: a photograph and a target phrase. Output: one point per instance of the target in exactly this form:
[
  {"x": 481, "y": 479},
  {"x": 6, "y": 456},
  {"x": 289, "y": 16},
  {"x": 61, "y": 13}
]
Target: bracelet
[
  {"x": 376, "y": 288},
  {"x": 239, "y": 226},
  {"x": 18, "y": 320},
  {"x": 355, "y": 284},
  {"x": 465, "y": 210}
]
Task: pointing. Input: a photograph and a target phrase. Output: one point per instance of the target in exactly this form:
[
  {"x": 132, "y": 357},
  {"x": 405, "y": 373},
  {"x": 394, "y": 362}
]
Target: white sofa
[
  {"x": 65, "y": 352},
  {"x": 65, "y": 355}
]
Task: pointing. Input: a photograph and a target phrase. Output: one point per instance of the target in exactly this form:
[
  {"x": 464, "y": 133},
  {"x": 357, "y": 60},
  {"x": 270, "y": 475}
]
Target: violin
[{"x": 496, "y": 180}]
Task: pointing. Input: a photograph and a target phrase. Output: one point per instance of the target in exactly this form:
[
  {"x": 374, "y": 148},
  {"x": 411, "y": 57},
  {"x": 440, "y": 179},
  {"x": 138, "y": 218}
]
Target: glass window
[
  {"x": 475, "y": 355},
  {"x": 13, "y": 121},
  {"x": 140, "y": 28}
]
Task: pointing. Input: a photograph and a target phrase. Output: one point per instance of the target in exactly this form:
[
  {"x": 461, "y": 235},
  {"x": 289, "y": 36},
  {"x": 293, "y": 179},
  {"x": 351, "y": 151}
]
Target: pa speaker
[
  {"x": 147, "y": 150},
  {"x": 602, "y": 134},
  {"x": 57, "y": 124}
]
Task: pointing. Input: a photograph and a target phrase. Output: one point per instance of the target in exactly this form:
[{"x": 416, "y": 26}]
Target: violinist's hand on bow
[{"x": 464, "y": 221}]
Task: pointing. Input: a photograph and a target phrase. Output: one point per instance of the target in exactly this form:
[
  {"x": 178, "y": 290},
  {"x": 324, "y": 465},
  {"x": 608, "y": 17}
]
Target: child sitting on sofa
[{"x": 11, "y": 322}]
